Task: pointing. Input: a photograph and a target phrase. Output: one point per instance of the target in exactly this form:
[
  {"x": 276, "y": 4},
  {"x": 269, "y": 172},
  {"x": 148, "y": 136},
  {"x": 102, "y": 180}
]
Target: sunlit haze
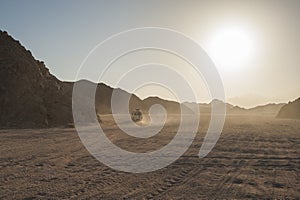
[{"x": 231, "y": 47}]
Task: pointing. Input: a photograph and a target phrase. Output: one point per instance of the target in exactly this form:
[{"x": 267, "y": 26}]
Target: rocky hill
[
  {"x": 290, "y": 110},
  {"x": 29, "y": 95}
]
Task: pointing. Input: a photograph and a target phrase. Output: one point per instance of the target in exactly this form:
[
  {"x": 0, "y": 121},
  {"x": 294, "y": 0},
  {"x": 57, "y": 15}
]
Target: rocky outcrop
[
  {"x": 290, "y": 110},
  {"x": 29, "y": 95}
]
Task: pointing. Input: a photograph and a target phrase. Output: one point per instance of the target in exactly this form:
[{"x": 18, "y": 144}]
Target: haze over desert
[{"x": 149, "y": 100}]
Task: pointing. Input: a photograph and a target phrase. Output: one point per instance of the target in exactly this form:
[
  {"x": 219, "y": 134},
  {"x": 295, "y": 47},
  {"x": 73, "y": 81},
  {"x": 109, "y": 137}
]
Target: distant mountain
[
  {"x": 31, "y": 97},
  {"x": 290, "y": 110},
  {"x": 268, "y": 109},
  {"x": 252, "y": 100}
]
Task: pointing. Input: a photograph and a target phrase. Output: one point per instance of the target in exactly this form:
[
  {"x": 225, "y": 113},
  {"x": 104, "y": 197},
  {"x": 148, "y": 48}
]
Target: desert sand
[{"x": 255, "y": 158}]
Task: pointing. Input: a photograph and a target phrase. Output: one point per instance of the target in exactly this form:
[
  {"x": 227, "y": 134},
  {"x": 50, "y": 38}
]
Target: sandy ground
[{"x": 256, "y": 157}]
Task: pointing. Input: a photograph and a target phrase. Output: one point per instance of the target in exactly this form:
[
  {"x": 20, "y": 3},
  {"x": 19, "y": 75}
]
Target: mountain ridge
[{"x": 31, "y": 97}]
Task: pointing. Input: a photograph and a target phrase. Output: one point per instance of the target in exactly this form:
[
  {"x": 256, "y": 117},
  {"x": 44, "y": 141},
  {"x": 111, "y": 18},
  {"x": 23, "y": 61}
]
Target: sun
[{"x": 231, "y": 48}]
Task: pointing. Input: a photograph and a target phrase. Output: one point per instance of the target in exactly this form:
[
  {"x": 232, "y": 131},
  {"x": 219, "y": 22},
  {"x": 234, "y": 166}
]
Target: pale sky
[{"x": 263, "y": 35}]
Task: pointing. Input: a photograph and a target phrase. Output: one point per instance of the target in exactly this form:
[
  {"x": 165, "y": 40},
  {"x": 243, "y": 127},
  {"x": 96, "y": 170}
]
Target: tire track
[
  {"x": 175, "y": 180},
  {"x": 221, "y": 187}
]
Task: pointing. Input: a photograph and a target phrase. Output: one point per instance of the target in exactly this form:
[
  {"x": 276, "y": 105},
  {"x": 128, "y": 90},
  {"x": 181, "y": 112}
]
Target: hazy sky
[{"x": 62, "y": 33}]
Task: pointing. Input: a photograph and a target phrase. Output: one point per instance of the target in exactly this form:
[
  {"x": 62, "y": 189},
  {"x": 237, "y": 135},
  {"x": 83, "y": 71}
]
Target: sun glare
[{"x": 231, "y": 48}]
